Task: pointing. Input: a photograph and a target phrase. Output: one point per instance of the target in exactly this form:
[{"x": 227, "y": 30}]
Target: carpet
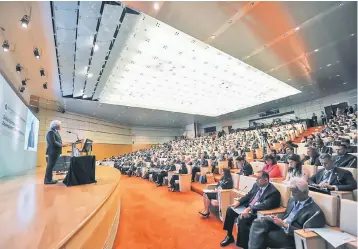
[{"x": 154, "y": 218}]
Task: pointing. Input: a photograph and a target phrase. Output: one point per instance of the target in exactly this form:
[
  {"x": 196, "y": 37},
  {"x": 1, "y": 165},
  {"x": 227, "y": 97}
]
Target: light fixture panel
[
  {"x": 65, "y": 5},
  {"x": 65, "y": 36},
  {"x": 66, "y": 18},
  {"x": 108, "y": 25},
  {"x": 163, "y": 68}
]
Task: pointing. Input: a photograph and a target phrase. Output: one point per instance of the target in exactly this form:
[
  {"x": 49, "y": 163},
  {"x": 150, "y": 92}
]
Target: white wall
[
  {"x": 302, "y": 110},
  {"x": 154, "y": 135},
  {"x": 86, "y": 127},
  {"x": 189, "y": 131}
]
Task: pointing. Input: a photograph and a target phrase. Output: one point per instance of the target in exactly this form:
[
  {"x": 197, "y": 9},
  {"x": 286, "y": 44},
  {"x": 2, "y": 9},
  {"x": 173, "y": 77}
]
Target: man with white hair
[
  {"x": 278, "y": 231},
  {"x": 53, "y": 149}
]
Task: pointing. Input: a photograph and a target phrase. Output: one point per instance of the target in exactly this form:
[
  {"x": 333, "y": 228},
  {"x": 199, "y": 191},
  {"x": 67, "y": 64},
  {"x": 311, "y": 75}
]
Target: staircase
[{"x": 308, "y": 132}]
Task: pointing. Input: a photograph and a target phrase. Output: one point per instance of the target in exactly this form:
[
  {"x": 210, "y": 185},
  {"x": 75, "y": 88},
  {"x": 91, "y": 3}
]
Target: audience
[
  {"x": 183, "y": 170},
  {"x": 278, "y": 231},
  {"x": 312, "y": 157},
  {"x": 244, "y": 166},
  {"x": 224, "y": 183},
  {"x": 262, "y": 196},
  {"x": 271, "y": 167},
  {"x": 343, "y": 159}
]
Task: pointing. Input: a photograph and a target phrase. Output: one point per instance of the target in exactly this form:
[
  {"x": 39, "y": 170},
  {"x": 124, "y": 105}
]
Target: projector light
[
  {"x": 25, "y": 21},
  {"x": 36, "y": 53},
  {"x": 5, "y": 46},
  {"x": 42, "y": 72},
  {"x": 23, "y": 82},
  {"x": 22, "y": 89},
  {"x": 44, "y": 85}
]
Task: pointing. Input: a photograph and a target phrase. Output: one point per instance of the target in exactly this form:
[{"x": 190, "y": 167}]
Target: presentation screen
[{"x": 18, "y": 133}]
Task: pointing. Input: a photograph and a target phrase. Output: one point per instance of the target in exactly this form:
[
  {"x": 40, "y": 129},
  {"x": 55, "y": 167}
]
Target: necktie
[
  {"x": 294, "y": 211},
  {"x": 338, "y": 158},
  {"x": 326, "y": 176},
  {"x": 257, "y": 196}
]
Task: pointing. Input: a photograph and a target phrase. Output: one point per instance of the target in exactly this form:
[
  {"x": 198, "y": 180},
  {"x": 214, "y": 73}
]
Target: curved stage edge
[{"x": 35, "y": 215}]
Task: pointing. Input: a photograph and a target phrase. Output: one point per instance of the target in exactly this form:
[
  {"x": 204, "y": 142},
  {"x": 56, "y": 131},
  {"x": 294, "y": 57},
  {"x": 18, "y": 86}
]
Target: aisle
[{"x": 153, "y": 218}]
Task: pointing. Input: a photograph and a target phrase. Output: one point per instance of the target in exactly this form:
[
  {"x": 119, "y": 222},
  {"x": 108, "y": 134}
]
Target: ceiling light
[
  {"x": 23, "y": 82},
  {"x": 156, "y": 6},
  {"x": 90, "y": 75},
  {"x": 85, "y": 96},
  {"x": 36, "y": 53},
  {"x": 297, "y": 28},
  {"x": 18, "y": 68},
  {"x": 316, "y": 50},
  {"x": 254, "y": 87},
  {"x": 25, "y": 21},
  {"x": 344, "y": 83},
  {"x": 22, "y": 89},
  {"x": 289, "y": 80},
  {"x": 44, "y": 85},
  {"x": 5, "y": 46},
  {"x": 96, "y": 47},
  {"x": 352, "y": 34},
  {"x": 42, "y": 72},
  {"x": 213, "y": 36},
  {"x": 328, "y": 65},
  {"x": 337, "y": 75}
]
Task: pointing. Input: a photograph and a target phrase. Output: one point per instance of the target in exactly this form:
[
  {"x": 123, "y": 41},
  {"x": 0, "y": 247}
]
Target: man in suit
[
  {"x": 343, "y": 159},
  {"x": 289, "y": 152},
  {"x": 262, "y": 196},
  {"x": 313, "y": 157},
  {"x": 321, "y": 148},
  {"x": 164, "y": 173},
  {"x": 53, "y": 149},
  {"x": 278, "y": 231},
  {"x": 246, "y": 168},
  {"x": 332, "y": 177}
]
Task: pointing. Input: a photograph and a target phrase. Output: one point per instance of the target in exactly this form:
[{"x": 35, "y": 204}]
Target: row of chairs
[{"x": 340, "y": 213}]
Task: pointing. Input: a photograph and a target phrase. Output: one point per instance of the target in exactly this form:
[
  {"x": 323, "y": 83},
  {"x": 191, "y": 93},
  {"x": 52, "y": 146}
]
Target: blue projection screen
[{"x": 18, "y": 133}]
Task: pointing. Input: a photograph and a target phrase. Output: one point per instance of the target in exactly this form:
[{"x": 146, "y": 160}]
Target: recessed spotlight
[
  {"x": 288, "y": 79},
  {"x": 96, "y": 47},
  {"x": 22, "y": 89},
  {"x": 42, "y": 72},
  {"x": 352, "y": 34},
  {"x": 18, "y": 68},
  {"x": 44, "y": 85},
  {"x": 297, "y": 28},
  {"x": 344, "y": 83},
  {"x": 311, "y": 92},
  {"x": 252, "y": 3},
  {"x": 5, "y": 46},
  {"x": 328, "y": 65},
  {"x": 337, "y": 75},
  {"x": 36, "y": 53},
  {"x": 25, "y": 21},
  {"x": 213, "y": 36},
  {"x": 23, "y": 82},
  {"x": 156, "y": 6},
  {"x": 316, "y": 50},
  {"x": 90, "y": 75},
  {"x": 341, "y": 4}
]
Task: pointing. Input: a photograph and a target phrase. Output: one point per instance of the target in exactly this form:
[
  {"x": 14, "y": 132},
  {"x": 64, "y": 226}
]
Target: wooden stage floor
[{"x": 34, "y": 215}]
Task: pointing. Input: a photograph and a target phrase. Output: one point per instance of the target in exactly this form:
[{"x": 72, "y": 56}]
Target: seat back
[
  {"x": 257, "y": 166},
  {"x": 310, "y": 170},
  {"x": 283, "y": 168},
  {"x": 189, "y": 167},
  {"x": 348, "y": 215},
  {"x": 236, "y": 180},
  {"x": 177, "y": 166},
  {"x": 246, "y": 183},
  {"x": 284, "y": 191},
  {"x": 329, "y": 205},
  {"x": 259, "y": 153},
  {"x": 249, "y": 156}
]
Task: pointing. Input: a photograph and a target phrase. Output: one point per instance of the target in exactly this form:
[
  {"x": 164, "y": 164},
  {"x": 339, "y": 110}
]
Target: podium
[{"x": 82, "y": 170}]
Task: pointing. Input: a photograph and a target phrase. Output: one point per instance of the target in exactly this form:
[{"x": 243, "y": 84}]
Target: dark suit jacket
[
  {"x": 204, "y": 163},
  {"x": 303, "y": 215},
  {"x": 347, "y": 160},
  {"x": 270, "y": 198},
  {"x": 54, "y": 143},
  {"x": 341, "y": 178},
  {"x": 225, "y": 183},
  {"x": 183, "y": 170},
  {"x": 314, "y": 161},
  {"x": 247, "y": 169},
  {"x": 326, "y": 150}
]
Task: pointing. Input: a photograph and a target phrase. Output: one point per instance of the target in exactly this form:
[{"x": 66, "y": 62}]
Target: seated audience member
[
  {"x": 271, "y": 167},
  {"x": 332, "y": 177},
  {"x": 225, "y": 182},
  {"x": 183, "y": 170},
  {"x": 350, "y": 149},
  {"x": 289, "y": 152},
  {"x": 295, "y": 168},
  {"x": 195, "y": 169},
  {"x": 164, "y": 173},
  {"x": 322, "y": 148},
  {"x": 262, "y": 196},
  {"x": 278, "y": 232},
  {"x": 343, "y": 159},
  {"x": 312, "y": 157},
  {"x": 246, "y": 168}
]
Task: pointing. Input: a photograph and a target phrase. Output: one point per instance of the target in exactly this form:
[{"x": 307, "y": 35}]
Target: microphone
[
  {"x": 78, "y": 139},
  {"x": 241, "y": 190},
  {"x": 304, "y": 224}
]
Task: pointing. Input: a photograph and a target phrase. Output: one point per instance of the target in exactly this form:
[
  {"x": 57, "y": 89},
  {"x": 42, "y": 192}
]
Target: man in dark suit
[
  {"x": 321, "y": 148},
  {"x": 289, "y": 153},
  {"x": 278, "y": 231},
  {"x": 262, "y": 196},
  {"x": 332, "y": 177},
  {"x": 164, "y": 173},
  {"x": 343, "y": 159},
  {"x": 313, "y": 157},
  {"x": 53, "y": 149},
  {"x": 246, "y": 168}
]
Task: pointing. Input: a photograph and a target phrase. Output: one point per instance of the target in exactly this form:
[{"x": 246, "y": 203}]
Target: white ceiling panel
[
  {"x": 65, "y": 35},
  {"x": 65, "y": 19},
  {"x": 79, "y": 85},
  {"x": 90, "y": 9},
  {"x": 87, "y": 26},
  {"x": 65, "y": 5},
  {"x": 109, "y": 22}
]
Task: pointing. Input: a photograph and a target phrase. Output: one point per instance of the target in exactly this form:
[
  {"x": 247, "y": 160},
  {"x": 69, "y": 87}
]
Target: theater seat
[
  {"x": 284, "y": 191},
  {"x": 184, "y": 182},
  {"x": 246, "y": 183},
  {"x": 348, "y": 217},
  {"x": 310, "y": 170},
  {"x": 329, "y": 206},
  {"x": 257, "y": 166}
]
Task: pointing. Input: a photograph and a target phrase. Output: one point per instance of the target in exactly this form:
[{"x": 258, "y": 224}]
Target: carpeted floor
[{"x": 153, "y": 218}]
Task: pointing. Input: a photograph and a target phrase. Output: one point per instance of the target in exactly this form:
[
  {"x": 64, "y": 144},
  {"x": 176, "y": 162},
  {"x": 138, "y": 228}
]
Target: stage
[{"x": 34, "y": 215}]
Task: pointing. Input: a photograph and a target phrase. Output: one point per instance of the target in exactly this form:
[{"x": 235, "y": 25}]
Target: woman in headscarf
[{"x": 225, "y": 182}]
